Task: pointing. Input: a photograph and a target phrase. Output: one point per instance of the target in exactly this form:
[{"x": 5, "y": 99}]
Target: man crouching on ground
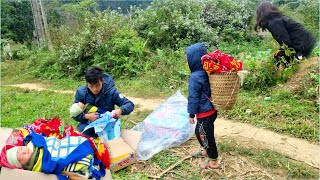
[{"x": 100, "y": 91}]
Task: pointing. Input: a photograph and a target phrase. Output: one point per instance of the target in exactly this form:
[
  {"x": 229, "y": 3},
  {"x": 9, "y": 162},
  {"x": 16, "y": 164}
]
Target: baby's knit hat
[
  {"x": 75, "y": 110},
  {"x": 12, "y": 157}
]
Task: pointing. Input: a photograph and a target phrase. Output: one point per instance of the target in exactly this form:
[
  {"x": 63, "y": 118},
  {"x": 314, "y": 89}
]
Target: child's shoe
[
  {"x": 210, "y": 164},
  {"x": 199, "y": 154}
]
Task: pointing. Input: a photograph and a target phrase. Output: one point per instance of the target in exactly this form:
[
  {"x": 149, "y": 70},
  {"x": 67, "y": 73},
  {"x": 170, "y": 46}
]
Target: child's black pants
[{"x": 205, "y": 135}]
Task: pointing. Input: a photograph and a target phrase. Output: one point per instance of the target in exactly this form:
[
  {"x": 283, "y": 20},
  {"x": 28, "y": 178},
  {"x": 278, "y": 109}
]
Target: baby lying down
[{"x": 72, "y": 157}]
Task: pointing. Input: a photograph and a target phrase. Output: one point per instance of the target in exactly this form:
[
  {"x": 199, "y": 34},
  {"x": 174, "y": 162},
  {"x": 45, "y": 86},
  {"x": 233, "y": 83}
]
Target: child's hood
[{"x": 194, "y": 54}]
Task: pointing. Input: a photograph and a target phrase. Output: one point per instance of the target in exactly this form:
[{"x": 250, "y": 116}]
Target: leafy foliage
[
  {"x": 173, "y": 23},
  {"x": 263, "y": 74},
  {"x": 95, "y": 44},
  {"x": 231, "y": 18},
  {"x": 152, "y": 41},
  {"x": 46, "y": 66},
  {"x": 125, "y": 54},
  {"x": 67, "y": 19},
  {"x": 16, "y": 21}
]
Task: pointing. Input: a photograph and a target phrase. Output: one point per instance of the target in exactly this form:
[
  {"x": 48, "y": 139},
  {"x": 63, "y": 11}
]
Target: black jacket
[{"x": 293, "y": 34}]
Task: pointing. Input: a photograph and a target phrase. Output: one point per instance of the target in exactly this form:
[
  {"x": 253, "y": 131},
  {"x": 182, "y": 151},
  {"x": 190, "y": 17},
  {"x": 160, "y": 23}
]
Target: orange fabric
[{"x": 217, "y": 62}]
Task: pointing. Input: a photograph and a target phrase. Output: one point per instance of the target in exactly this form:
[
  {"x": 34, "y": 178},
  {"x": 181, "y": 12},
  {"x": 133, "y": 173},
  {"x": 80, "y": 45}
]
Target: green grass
[
  {"x": 284, "y": 113},
  {"x": 21, "y": 106},
  {"x": 14, "y": 72}
]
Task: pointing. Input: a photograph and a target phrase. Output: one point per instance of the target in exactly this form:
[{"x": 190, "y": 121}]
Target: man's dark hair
[{"x": 93, "y": 74}]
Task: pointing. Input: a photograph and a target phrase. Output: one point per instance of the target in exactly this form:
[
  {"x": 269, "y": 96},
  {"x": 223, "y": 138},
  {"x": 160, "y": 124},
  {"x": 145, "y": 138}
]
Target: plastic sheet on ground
[{"x": 167, "y": 126}]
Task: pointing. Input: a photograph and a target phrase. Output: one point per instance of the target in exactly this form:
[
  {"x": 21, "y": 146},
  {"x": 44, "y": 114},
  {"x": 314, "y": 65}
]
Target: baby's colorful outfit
[{"x": 72, "y": 155}]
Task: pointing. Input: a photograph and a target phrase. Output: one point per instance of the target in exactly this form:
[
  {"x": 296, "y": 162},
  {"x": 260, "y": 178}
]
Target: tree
[
  {"x": 16, "y": 21},
  {"x": 40, "y": 23}
]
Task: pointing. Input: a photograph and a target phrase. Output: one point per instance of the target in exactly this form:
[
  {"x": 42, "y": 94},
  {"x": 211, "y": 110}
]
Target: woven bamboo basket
[{"x": 224, "y": 89}]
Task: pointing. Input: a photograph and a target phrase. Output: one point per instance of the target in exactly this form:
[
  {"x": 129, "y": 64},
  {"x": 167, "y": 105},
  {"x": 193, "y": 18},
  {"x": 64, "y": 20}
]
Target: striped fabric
[{"x": 81, "y": 167}]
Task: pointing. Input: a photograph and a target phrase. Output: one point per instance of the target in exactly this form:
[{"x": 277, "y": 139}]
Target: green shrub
[
  {"x": 42, "y": 64},
  {"x": 21, "y": 53},
  {"x": 171, "y": 71},
  {"x": 262, "y": 73},
  {"x": 80, "y": 51},
  {"x": 124, "y": 55},
  {"x": 232, "y": 18},
  {"x": 173, "y": 23}
]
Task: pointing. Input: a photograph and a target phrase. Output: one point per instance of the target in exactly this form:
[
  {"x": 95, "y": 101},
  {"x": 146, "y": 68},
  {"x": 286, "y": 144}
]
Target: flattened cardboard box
[
  {"x": 17, "y": 174},
  {"x": 123, "y": 150}
]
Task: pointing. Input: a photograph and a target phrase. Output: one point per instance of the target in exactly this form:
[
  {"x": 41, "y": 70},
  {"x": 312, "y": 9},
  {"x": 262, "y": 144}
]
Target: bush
[
  {"x": 169, "y": 70},
  {"x": 124, "y": 55},
  {"x": 79, "y": 52},
  {"x": 232, "y": 18},
  {"x": 42, "y": 64},
  {"x": 263, "y": 74},
  {"x": 174, "y": 24},
  {"x": 21, "y": 53}
]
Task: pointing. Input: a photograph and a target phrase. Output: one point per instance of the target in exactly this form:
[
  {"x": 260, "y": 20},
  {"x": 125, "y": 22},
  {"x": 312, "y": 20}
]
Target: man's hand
[
  {"x": 117, "y": 113},
  {"x": 191, "y": 120},
  {"x": 91, "y": 117}
]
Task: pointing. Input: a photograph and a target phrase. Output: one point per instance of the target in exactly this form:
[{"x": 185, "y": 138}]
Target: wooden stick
[
  {"x": 154, "y": 177},
  {"x": 171, "y": 167},
  {"x": 132, "y": 122}
]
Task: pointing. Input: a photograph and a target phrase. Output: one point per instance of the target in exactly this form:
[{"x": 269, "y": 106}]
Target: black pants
[{"x": 205, "y": 135}]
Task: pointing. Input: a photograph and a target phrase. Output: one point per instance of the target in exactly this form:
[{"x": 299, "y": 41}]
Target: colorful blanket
[
  {"x": 51, "y": 166},
  {"x": 50, "y": 136}
]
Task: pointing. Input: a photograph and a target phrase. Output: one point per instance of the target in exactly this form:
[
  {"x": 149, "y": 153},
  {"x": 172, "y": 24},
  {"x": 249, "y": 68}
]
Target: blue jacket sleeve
[
  {"x": 79, "y": 98},
  {"x": 194, "y": 94},
  {"x": 123, "y": 103}
]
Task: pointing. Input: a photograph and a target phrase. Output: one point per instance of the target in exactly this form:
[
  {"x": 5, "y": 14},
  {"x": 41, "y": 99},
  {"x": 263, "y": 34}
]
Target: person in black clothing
[{"x": 286, "y": 32}]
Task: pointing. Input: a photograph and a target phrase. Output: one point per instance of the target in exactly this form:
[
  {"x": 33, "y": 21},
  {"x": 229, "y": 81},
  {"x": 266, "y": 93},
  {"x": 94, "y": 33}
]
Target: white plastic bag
[{"x": 167, "y": 126}]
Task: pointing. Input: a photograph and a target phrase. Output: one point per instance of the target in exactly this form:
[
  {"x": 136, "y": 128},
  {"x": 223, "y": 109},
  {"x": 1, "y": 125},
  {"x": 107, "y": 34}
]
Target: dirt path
[
  {"x": 245, "y": 134},
  {"x": 140, "y": 104}
]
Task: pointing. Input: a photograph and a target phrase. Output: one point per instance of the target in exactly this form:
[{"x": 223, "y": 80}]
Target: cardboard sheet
[{"x": 123, "y": 150}]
